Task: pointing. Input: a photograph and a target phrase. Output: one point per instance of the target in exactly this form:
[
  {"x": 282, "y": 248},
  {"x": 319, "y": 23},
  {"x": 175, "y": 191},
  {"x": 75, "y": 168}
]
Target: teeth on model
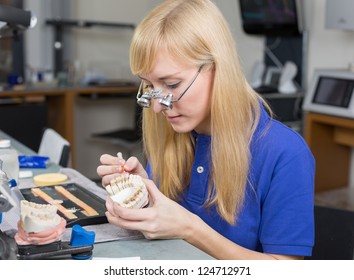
[
  {"x": 129, "y": 191},
  {"x": 38, "y": 217}
]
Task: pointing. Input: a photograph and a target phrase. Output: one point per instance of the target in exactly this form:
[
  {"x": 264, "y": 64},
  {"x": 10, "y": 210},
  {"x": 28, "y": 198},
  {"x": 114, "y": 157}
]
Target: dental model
[
  {"x": 39, "y": 224},
  {"x": 129, "y": 191}
]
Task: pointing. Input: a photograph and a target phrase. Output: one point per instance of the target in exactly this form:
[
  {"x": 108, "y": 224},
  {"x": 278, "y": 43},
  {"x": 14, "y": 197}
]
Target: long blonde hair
[{"x": 195, "y": 31}]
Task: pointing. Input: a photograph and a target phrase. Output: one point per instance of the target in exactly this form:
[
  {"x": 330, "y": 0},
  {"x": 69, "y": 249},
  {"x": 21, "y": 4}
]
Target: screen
[
  {"x": 270, "y": 17},
  {"x": 334, "y": 92},
  {"x": 275, "y": 79}
]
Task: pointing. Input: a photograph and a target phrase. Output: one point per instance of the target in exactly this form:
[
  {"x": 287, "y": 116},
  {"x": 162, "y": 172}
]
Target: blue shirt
[{"x": 277, "y": 215}]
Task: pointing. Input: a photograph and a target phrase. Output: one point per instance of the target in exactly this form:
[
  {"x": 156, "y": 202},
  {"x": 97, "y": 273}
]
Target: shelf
[
  {"x": 60, "y": 24},
  {"x": 87, "y": 23}
]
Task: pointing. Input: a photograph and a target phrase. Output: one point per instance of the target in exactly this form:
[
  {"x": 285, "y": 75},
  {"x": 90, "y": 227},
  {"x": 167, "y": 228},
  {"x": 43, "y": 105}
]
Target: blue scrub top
[{"x": 277, "y": 216}]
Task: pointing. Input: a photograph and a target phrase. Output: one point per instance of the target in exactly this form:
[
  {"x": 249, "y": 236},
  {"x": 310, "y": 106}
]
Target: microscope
[{"x": 13, "y": 21}]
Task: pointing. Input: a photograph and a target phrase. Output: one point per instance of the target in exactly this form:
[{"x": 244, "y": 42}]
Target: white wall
[
  {"x": 39, "y": 40},
  {"x": 106, "y": 50}
]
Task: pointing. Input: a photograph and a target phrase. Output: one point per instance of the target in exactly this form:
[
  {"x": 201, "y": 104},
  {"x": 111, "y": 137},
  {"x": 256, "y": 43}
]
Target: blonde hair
[{"x": 195, "y": 31}]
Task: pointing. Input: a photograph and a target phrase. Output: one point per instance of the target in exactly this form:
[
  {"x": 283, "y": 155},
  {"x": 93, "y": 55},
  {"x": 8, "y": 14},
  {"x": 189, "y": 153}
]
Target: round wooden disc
[{"x": 49, "y": 179}]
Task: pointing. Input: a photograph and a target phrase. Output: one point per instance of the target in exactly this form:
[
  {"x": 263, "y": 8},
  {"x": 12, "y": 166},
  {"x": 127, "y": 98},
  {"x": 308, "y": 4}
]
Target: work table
[{"x": 123, "y": 244}]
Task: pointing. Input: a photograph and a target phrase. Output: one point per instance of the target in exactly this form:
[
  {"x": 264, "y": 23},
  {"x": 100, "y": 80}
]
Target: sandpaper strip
[
  {"x": 88, "y": 210},
  {"x": 67, "y": 213}
]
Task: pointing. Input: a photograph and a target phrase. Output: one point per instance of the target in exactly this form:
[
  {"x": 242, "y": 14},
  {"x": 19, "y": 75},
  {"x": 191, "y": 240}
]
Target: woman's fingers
[
  {"x": 125, "y": 213},
  {"x": 112, "y": 166},
  {"x": 109, "y": 204},
  {"x": 163, "y": 219},
  {"x": 135, "y": 224},
  {"x": 103, "y": 170},
  {"x": 133, "y": 165},
  {"x": 116, "y": 220},
  {"x": 106, "y": 180},
  {"x": 107, "y": 159}
]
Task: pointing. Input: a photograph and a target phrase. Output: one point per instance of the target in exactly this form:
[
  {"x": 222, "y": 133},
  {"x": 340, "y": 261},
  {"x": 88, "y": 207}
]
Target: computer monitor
[
  {"x": 331, "y": 92},
  {"x": 272, "y": 17}
]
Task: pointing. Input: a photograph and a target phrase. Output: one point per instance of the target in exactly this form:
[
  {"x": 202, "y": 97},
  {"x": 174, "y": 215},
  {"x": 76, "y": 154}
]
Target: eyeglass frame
[{"x": 143, "y": 99}]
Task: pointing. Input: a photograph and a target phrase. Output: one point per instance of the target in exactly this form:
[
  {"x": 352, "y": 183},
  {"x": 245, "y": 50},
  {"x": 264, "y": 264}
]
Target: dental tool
[{"x": 120, "y": 158}]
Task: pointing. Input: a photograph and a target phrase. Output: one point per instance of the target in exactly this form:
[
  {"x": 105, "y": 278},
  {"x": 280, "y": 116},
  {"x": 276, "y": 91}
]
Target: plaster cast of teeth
[
  {"x": 38, "y": 217},
  {"x": 129, "y": 191}
]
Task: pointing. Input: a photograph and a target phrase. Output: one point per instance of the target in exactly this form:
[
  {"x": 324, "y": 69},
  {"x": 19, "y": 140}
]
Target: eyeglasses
[{"x": 143, "y": 98}]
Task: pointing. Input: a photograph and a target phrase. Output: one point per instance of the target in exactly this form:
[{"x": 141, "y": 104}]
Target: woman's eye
[{"x": 173, "y": 86}]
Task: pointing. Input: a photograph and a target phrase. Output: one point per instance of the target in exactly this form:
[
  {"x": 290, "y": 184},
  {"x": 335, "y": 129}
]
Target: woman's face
[{"x": 192, "y": 111}]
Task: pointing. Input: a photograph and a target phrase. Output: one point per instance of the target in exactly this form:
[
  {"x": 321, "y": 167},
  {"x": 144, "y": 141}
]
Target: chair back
[
  {"x": 334, "y": 234},
  {"x": 54, "y": 146}
]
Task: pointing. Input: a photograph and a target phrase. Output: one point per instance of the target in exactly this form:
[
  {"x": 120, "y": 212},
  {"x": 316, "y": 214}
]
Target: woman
[{"x": 231, "y": 180}]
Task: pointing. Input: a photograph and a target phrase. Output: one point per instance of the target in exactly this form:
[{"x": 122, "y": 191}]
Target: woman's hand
[
  {"x": 166, "y": 219},
  {"x": 163, "y": 219},
  {"x": 111, "y": 167}
]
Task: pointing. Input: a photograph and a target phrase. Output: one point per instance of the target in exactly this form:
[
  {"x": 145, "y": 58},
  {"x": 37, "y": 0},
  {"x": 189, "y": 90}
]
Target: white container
[{"x": 9, "y": 157}]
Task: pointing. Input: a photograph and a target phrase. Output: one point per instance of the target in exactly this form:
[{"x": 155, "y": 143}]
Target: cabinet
[
  {"x": 25, "y": 121},
  {"x": 339, "y": 14},
  {"x": 331, "y": 140}
]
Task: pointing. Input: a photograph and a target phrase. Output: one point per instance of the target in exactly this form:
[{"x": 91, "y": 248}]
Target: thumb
[
  {"x": 132, "y": 165},
  {"x": 153, "y": 191}
]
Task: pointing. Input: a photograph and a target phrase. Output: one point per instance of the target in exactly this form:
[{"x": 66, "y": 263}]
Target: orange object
[
  {"x": 49, "y": 179},
  {"x": 88, "y": 210},
  {"x": 68, "y": 213}
]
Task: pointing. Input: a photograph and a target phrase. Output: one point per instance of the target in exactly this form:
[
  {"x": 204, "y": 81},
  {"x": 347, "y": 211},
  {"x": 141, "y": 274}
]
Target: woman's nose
[{"x": 157, "y": 107}]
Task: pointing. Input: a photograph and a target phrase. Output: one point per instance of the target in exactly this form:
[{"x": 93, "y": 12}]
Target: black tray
[{"x": 83, "y": 194}]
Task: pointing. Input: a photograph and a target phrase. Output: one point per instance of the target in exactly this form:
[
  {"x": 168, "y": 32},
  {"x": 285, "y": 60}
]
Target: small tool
[{"x": 120, "y": 158}]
